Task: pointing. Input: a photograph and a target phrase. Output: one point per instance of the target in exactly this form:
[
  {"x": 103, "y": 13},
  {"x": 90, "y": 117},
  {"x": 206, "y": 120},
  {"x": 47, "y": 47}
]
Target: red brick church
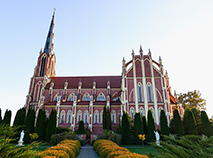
[{"x": 143, "y": 85}]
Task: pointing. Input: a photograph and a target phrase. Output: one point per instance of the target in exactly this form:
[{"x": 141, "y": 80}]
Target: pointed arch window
[
  {"x": 101, "y": 97},
  {"x": 86, "y": 116},
  {"x": 43, "y": 63},
  {"x": 96, "y": 116},
  {"x": 71, "y": 97},
  {"x": 119, "y": 116},
  {"x": 113, "y": 116},
  {"x": 132, "y": 112},
  {"x": 56, "y": 97},
  {"x": 159, "y": 111},
  {"x": 47, "y": 113},
  {"x": 149, "y": 91},
  {"x": 153, "y": 114},
  {"x": 86, "y": 97},
  {"x": 62, "y": 119},
  {"x": 140, "y": 92},
  {"x": 69, "y": 116},
  {"x": 79, "y": 116},
  {"x": 141, "y": 111}
]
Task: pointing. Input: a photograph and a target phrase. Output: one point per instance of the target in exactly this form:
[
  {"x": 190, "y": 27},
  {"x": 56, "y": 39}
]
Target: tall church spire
[{"x": 48, "y": 48}]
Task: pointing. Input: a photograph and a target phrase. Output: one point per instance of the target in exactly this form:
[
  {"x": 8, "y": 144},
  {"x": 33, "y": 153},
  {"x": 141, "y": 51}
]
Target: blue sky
[{"x": 92, "y": 37}]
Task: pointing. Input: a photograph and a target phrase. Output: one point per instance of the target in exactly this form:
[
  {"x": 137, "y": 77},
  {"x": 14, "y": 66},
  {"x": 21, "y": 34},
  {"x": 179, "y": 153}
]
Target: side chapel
[{"x": 143, "y": 85}]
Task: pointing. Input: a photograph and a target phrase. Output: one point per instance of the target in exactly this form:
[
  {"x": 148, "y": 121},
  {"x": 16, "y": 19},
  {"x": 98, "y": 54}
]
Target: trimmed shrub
[
  {"x": 7, "y": 117},
  {"x": 125, "y": 131},
  {"x": 150, "y": 127},
  {"x": 81, "y": 128},
  {"x": 189, "y": 123},
  {"x": 20, "y": 117},
  {"x": 144, "y": 124},
  {"x": 138, "y": 127},
  {"x": 110, "y": 135},
  {"x": 206, "y": 124},
  {"x": 56, "y": 138},
  {"x": 163, "y": 123},
  {"x": 178, "y": 126}
]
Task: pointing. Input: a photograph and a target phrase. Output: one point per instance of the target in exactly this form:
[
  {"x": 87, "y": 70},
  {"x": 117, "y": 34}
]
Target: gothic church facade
[{"x": 143, "y": 85}]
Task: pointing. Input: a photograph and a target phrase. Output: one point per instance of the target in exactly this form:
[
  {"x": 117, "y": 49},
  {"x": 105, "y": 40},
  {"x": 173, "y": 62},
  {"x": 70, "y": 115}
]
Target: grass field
[{"x": 147, "y": 149}]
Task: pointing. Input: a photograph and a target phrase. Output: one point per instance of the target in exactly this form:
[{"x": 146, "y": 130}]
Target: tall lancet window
[
  {"x": 149, "y": 91},
  {"x": 43, "y": 63},
  {"x": 96, "y": 116},
  {"x": 62, "y": 119},
  {"x": 69, "y": 115},
  {"x": 86, "y": 116},
  {"x": 132, "y": 113},
  {"x": 79, "y": 116},
  {"x": 113, "y": 117},
  {"x": 140, "y": 92}
]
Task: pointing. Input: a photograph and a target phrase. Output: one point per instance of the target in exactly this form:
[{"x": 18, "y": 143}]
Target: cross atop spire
[{"x": 48, "y": 48}]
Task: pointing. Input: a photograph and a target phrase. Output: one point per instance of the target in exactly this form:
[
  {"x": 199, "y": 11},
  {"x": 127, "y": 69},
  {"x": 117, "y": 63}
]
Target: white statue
[
  {"x": 157, "y": 136},
  {"x": 21, "y": 136},
  {"x": 20, "y": 142}
]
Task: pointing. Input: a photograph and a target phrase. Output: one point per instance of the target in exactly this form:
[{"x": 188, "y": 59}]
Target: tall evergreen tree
[
  {"x": 144, "y": 124},
  {"x": 150, "y": 127},
  {"x": 20, "y": 117},
  {"x": 104, "y": 118},
  {"x": 189, "y": 123},
  {"x": 125, "y": 129},
  {"x": 0, "y": 117},
  {"x": 51, "y": 125},
  {"x": 7, "y": 117},
  {"x": 40, "y": 128},
  {"x": 108, "y": 120},
  {"x": 163, "y": 123},
  {"x": 138, "y": 127},
  {"x": 197, "y": 115},
  {"x": 81, "y": 128},
  {"x": 206, "y": 124},
  {"x": 178, "y": 126},
  {"x": 29, "y": 124},
  {"x": 171, "y": 126}
]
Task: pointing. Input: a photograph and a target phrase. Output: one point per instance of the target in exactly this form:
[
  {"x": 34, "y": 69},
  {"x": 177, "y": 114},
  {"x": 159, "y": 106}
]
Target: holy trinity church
[{"x": 142, "y": 85}]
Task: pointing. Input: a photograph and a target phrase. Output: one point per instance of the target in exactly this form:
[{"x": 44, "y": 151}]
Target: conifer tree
[
  {"x": 150, "y": 127},
  {"x": 125, "y": 130},
  {"x": 171, "y": 126},
  {"x": 104, "y": 118},
  {"x": 29, "y": 124},
  {"x": 189, "y": 123},
  {"x": 0, "y": 117},
  {"x": 81, "y": 128},
  {"x": 178, "y": 126},
  {"x": 138, "y": 127},
  {"x": 7, "y": 117},
  {"x": 40, "y": 128},
  {"x": 197, "y": 115},
  {"x": 163, "y": 123},
  {"x": 144, "y": 124},
  {"x": 51, "y": 125},
  {"x": 20, "y": 117},
  {"x": 108, "y": 120},
  {"x": 206, "y": 124}
]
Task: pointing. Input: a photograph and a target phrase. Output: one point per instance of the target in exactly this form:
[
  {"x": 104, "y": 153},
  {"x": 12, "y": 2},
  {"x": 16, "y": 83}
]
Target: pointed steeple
[{"x": 48, "y": 48}]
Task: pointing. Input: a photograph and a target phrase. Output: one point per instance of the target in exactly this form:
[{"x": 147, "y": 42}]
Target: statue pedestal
[
  {"x": 20, "y": 143},
  {"x": 157, "y": 142}
]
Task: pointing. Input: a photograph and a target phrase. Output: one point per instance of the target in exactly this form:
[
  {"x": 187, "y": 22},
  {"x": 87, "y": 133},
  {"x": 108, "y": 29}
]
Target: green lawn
[{"x": 147, "y": 149}]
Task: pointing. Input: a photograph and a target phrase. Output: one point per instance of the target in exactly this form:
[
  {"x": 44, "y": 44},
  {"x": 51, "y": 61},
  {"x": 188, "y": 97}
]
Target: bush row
[
  {"x": 64, "y": 149},
  {"x": 109, "y": 149}
]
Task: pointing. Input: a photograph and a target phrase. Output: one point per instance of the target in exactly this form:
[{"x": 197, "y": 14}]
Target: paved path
[{"x": 87, "y": 152}]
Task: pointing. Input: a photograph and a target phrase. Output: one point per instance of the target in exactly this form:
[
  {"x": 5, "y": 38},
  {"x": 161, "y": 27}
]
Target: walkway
[{"x": 87, "y": 151}]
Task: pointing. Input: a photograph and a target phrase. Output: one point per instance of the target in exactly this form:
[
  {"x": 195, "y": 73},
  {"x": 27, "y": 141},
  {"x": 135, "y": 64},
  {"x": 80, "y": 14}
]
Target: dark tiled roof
[{"x": 87, "y": 82}]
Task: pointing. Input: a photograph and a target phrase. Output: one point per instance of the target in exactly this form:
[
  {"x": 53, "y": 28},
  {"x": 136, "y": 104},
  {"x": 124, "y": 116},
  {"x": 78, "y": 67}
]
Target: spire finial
[
  {"x": 149, "y": 53},
  {"x": 141, "y": 48}
]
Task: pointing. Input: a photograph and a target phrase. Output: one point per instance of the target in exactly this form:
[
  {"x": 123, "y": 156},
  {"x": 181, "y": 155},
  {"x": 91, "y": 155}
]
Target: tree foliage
[
  {"x": 29, "y": 124},
  {"x": 197, "y": 115},
  {"x": 51, "y": 125},
  {"x": 192, "y": 99},
  {"x": 20, "y": 117},
  {"x": 104, "y": 118},
  {"x": 40, "y": 127},
  {"x": 150, "y": 127},
  {"x": 178, "y": 126},
  {"x": 138, "y": 127},
  {"x": 189, "y": 123},
  {"x": 144, "y": 124},
  {"x": 7, "y": 117},
  {"x": 0, "y": 117},
  {"x": 81, "y": 128},
  {"x": 163, "y": 123},
  {"x": 186, "y": 147},
  {"x": 125, "y": 130},
  {"x": 108, "y": 120},
  {"x": 206, "y": 124}
]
